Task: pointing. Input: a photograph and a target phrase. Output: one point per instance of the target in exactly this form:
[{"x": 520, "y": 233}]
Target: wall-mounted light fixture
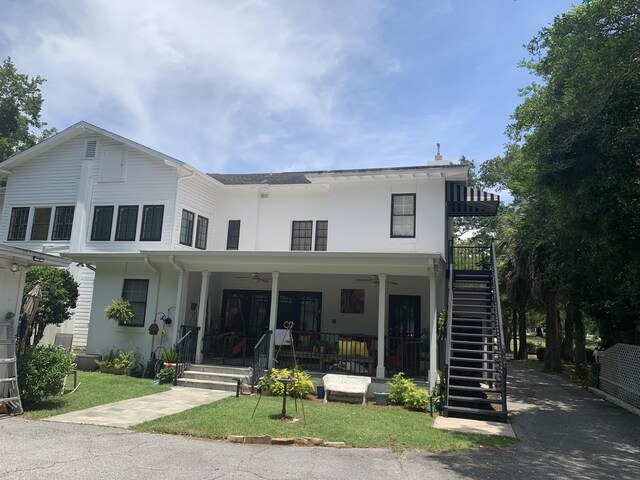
[
  {"x": 38, "y": 259},
  {"x": 14, "y": 267}
]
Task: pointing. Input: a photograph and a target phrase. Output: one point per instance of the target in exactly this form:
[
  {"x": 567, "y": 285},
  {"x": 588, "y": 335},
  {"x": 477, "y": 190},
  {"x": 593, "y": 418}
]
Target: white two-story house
[{"x": 356, "y": 259}]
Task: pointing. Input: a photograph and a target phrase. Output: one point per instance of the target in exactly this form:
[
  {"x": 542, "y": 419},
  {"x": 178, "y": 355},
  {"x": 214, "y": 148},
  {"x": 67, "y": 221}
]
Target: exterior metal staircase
[
  {"x": 9, "y": 392},
  {"x": 476, "y": 361}
]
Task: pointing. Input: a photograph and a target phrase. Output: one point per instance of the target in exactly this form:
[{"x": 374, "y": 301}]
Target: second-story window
[
  {"x": 102, "y": 220},
  {"x": 152, "y": 223},
  {"x": 403, "y": 215},
  {"x": 233, "y": 235},
  {"x": 186, "y": 228},
  {"x": 18, "y": 223},
  {"x": 40, "y": 225},
  {"x": 322, "y": 232},
  {"x": 62, "y": 223},
  {"x": 202, "y": 228},
  {"x": 127, "y": 223},
  {"x": 301, "y": 234}
]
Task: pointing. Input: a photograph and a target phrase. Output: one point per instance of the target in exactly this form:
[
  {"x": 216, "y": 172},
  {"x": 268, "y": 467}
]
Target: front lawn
[
  {"x": 370, "y": 426},
  {"x": 94, "y": 389}
]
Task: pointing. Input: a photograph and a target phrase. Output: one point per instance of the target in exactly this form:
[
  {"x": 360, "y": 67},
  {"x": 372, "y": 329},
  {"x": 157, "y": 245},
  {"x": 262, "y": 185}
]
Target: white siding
[
  {"x": 198, "y": 195},
  {"x": 85, "y": 278}
]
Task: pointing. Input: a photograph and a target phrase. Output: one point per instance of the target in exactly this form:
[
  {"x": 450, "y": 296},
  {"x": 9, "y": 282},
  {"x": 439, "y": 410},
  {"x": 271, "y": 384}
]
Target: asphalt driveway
[{"x": 563, "y": 431}]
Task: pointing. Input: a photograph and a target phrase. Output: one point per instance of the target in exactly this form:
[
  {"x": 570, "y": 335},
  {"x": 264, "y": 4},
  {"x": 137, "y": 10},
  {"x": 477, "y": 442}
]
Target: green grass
[
  {"x": 94, "y": 389},
  {"x": 370, "y": 426}
]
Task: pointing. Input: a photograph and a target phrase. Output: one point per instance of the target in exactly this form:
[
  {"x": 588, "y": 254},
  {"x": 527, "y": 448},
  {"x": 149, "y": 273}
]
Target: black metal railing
[
  {"x": 186, "y": 347},
  {"x": 229, "y": 348},
  {"x": 470, "y": 258},
  {"x": 260, "y": 358},
  {"x": 407, "y": 354},
  {"x": 447, "y": 365},
  {"x": 497, "y": 313}
]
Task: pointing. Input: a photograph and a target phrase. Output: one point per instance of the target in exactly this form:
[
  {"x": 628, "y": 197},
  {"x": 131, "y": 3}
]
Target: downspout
[
  {"x": 178, "y": 311},
  {"x": 5, "y": 172},
  {"x": 155, "y": 309}
]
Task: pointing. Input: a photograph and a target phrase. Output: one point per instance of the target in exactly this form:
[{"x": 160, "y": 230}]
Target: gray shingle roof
[{"x": 300, "y": 178}]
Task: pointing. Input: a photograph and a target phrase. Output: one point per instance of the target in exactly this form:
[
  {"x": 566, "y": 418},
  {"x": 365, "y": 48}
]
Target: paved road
[{"x": 564, "y": 433}]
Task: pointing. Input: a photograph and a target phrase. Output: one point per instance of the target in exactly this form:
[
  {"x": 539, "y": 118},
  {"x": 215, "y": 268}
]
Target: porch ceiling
[{"x": 414, "y": 264}]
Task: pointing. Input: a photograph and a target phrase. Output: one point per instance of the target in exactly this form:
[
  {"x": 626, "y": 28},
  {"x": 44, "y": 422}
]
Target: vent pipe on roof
[{"x": 438, "y": 157}]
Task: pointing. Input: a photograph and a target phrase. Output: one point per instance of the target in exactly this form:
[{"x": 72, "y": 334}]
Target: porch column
[
  {"x": 202, "y": 313},
  {"x": 382, "y": 310},
  {"x": 433, "y": 329},
  {"x": 177, "y": 313},
  {"x": 273, "y": 316}
]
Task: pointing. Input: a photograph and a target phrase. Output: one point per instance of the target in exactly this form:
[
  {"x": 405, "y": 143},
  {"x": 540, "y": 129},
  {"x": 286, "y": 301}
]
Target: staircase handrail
[
  {"x": 186, "y": 348},
  {"x": 449, "y": 322},
  {"x": 260, "y": 358},
  {"x": 499, "y": 335}
]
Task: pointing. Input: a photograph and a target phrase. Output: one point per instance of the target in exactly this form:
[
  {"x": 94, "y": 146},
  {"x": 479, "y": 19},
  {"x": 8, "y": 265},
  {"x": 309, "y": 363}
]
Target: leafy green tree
[
  {"x": 20, "y": 105},
  {"x": 59, "y": 296}
]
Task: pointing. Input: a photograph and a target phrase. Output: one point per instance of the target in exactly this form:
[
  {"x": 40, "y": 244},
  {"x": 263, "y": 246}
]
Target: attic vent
[
  {"x": 91, "y": 149},
  {"x": 264, "y": 195}
]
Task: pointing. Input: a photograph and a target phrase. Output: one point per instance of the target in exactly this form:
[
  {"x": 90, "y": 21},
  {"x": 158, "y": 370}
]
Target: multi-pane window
[
  {"x": 186, "y": 228},
  {"x": 202, "y": 228},
  {"x": 301, "y": 234},
  {"x": 152, "y": 223},
  {"x": 322, "y": 231},
  {"x": 135, "y": 291},
  {"x": 233, "y": 235},
  {"x": 18, "y": 223},
  {"x": 403, "y": 215},
  {"x": 40, "y": 225},
  {"x": 127, "y": 222},
  {"x": 62, "y": 223},
  {"x": 102, "y": 221}
]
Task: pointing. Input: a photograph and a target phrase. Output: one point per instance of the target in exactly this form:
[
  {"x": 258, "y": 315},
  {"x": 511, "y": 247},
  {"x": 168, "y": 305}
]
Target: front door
[{"x": 304, "y": 309}]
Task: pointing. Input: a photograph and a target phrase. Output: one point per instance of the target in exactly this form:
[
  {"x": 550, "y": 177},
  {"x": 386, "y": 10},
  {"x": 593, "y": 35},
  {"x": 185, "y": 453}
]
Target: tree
[
  {"x": 578, "y": 136},
  {"x": 20, "y": 105},
  {"x": 59, "y": 296}
]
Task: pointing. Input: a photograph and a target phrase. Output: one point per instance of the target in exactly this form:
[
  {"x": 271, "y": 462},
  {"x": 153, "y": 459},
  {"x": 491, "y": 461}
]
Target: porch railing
[
  {"x": 260, "y": 358},
  {"x": 470, "y": 258},
  {"x": 230, "y": 348},
  {"x": 355, "y": 354},
  {"x": 186, "y": 348}
]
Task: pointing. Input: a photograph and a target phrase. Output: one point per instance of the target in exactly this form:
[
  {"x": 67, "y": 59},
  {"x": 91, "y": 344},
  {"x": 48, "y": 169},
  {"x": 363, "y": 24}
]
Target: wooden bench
[{"x": 346, "y": 387}]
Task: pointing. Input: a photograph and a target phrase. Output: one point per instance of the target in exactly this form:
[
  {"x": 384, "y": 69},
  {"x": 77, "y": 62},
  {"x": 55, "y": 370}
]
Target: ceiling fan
[
  {"x": 256, "y": 277},
  {"x": 374, "y": 279}
]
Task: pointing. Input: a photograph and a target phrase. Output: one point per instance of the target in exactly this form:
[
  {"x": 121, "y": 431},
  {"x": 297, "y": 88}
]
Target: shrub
[
  {"x": 588, "y": 352},
  {"x": 41, "y": 372},
  {"x": 118, "y": 362},
  {"x": 400, "y": 386},
  {"x": 166, "y": 375},
  {"x": 416, "y": 399},
  {"x": 170, "y": 356},
  {"x": 532, "y": 348},
  {"x": 299, "y": 389},
  {"x": 540, "y": 353},
  {"x": 264, "y": 384}
]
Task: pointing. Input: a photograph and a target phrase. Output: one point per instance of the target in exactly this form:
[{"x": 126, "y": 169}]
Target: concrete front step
[{"x": 213, "y": 377}]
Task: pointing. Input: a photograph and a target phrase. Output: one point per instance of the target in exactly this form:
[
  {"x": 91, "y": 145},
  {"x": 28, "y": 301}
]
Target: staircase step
[
  {"x": 238, "y": 371},
  {"x": 466, "y": 350},
  {"x": 472, "y": 369},
  {"x": 471, "y": 327},
  {"x": 212, "y": 376},
  {"x": 460, "y": 398},
  {"x": 7, "y": 361},
  {"x": 463, "y": 359},
  {"x": 474, "y": 389},
  {"x": 458, "y": 334},
  {"x": 473, "y": 379},
  {"x": 6, "y": 380},
  {"x": 193, "y": 383},
  {"x": 478, "y": 411},
  {"x": 470, "y": 342}
]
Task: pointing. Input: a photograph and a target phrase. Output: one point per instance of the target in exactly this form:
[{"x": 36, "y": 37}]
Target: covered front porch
[{"x": 342, "y": 308}]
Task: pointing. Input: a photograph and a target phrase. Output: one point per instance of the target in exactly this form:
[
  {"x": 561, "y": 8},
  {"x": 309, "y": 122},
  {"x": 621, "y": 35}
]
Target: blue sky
[{"x": 259, "y": 86}]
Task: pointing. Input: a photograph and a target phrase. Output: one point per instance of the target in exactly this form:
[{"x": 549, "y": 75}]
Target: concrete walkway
[{"x": 125, "y": 413}]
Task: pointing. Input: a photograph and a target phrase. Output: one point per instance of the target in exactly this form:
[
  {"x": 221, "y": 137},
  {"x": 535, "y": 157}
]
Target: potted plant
[
  {"x": 120, "y": 311},
  {"x": 170, "y": 357}
]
